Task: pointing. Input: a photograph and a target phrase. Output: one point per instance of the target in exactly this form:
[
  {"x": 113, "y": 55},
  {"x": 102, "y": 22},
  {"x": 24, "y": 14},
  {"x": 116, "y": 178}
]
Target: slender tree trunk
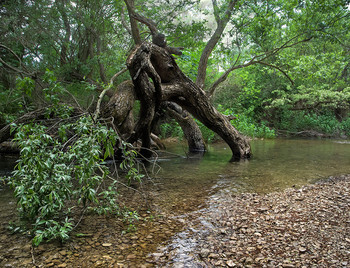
[
  {"x": 221, "y": 25},
  {"x": 133, "y": 23}
]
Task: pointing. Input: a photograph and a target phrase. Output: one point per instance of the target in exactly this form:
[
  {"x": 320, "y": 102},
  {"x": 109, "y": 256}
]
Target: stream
[
  {"x": 181, "y": 187},
  {"x": 276, "y": 164}
]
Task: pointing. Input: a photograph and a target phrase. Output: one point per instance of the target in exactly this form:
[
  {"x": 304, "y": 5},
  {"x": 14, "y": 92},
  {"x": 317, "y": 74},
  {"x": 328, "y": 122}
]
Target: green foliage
[
  {"x": 56, "y": 175},
  {"x": 130, "y": 218},
  {"x": 26, "y": 85},
  {"x": 129, "y": 164},
  {"x": 188, "y": 62},
  {"x": 171, "y": 129},
  {"x": 326, "y": 123},
  {"x": 245, "y": 124},
  {"x": 208, "y": 135}
]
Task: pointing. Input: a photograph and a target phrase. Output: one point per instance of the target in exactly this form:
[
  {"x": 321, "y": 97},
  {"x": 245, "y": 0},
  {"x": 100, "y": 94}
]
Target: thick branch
[
  {"x": 191, "y": 131},
  {"x": 157, "y": 38},
  {"x": 150, "y": 23}
]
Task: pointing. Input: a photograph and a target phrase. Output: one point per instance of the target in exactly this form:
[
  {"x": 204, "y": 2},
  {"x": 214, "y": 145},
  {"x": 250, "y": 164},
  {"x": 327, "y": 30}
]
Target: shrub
[
  {"x": 56, "y": 175},
  {"x": 295, "y": 121}
]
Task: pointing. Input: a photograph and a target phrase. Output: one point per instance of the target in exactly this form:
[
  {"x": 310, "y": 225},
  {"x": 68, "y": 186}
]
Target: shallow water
[
  {"x": 276, "y": 164},
  {"x": 201, "y": 182},
  {"x": 187, "y": 183}
]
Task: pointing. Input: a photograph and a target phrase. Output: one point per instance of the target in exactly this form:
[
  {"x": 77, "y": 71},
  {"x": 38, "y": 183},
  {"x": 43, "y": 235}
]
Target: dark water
[{"x": 7, "y": 163}]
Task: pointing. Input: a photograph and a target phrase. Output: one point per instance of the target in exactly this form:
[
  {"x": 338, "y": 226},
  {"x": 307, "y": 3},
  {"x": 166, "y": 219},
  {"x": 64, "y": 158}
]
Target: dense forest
[
  {"x": 199, "y": 70},
  {"x": 278, "y": 67}
]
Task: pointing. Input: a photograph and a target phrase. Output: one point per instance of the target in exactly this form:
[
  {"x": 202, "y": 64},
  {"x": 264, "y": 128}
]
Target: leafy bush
[
  {"x": 247, "y": 126},
  {"x": 345, "y": 126},
  {"x": 56, "y": 175},
  {"x": 326, "y": 123}
]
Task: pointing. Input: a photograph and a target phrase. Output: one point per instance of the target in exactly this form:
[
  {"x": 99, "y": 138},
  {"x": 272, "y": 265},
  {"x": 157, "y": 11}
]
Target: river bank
[
  {"x": 306, "y": 227},
  {"x": 204, "y": 211}
]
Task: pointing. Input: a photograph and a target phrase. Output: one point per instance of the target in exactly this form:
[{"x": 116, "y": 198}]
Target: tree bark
[
  {"x": 133, "y": 23},
  {"x": 150, "y": 62},
  {"x": 120, "y": 108},
  {"x": 192, "y": 133}
]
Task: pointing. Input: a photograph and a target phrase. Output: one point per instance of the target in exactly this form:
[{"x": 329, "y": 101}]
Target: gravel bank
[{"x": 306, "y": 227}]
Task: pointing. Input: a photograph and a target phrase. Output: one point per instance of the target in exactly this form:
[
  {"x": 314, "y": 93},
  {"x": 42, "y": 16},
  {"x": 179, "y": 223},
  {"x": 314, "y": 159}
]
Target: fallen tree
[{"x": 157, "y": 79}]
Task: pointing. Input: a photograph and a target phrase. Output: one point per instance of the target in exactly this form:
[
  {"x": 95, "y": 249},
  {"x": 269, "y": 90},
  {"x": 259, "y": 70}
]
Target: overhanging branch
[
  {"x": 278, "y": 68},
  {"x": 260, "y": 60},
  {"x": 98, "y": 106}
]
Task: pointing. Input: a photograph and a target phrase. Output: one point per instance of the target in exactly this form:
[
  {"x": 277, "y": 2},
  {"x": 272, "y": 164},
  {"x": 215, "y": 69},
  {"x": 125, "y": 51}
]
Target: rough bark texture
[
  {"x": 120, "y": 108},
  {"x": 151, "y": 62}
]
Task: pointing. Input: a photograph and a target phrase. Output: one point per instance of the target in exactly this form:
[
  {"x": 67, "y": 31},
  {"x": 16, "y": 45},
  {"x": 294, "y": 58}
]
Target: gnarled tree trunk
[{"x": 157, "y": 78}]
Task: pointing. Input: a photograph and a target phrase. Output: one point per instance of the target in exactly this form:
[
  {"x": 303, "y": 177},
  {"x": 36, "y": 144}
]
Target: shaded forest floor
[{"x": 306, "y": 227}]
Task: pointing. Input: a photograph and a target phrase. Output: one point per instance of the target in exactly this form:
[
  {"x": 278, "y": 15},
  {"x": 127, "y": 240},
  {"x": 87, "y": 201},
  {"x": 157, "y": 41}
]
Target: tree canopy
[{"x": 267, "y": 61}]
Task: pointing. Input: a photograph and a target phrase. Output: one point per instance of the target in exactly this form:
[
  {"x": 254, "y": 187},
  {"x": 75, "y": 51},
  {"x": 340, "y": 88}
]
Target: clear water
[
  {"x": 188, "y": 183},
  {"x": 276, "y": 164}
]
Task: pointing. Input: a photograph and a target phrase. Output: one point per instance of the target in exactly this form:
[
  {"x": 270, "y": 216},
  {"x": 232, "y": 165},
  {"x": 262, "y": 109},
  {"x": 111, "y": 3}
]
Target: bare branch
[
  {"x": 278, "y": 68},
  {"x": 98, "y": 106},
  {"x": 258, "y": 59}
]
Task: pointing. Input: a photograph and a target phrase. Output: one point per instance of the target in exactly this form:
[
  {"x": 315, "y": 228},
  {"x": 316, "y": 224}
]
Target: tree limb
[
  {"x": 133, "y": 23},
  {"x": 278, "y": 68},
  {"x": 221, "y": 25},
  {"x": 15, "y": 69},
  {"x": 98, "y": 106},
  {"x": 122, "y": 15},
  {"x": 257, "y": 59}
]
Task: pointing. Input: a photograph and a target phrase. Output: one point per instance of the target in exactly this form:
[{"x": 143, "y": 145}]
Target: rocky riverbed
[{"x": 304, "y": 227}]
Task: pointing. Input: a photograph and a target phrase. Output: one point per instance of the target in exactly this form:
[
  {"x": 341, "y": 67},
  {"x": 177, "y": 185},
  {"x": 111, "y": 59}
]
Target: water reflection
[{"x": 276, "y": 165}]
